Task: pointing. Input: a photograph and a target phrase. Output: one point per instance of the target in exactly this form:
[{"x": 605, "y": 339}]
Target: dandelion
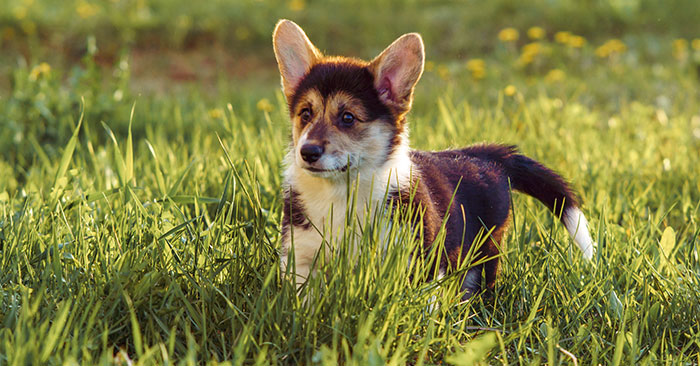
[
  {"x": 477, "y": 67},
  {"x": 429, "y": 66},
  {"x": 265, "y": 105},
  {"x": 529, "y": 52},
  {"x": 508, "y": 35},
  {"x": 39, "y": 70},
  {"x": 680, "y": 48},
  {"x": 19, "y": 12},
  {"x": 85, "y": 9},
  {"x": 443, "y": 72},
  {"x": 695, "y": 44},
  {"x": 575, "y": 41},
  {"x": 510, "y": 90},
  {"x": 535, "y": 33},
  {"x": 611, "y": 47},
  {"x": 216, "y": 113},
  {"x": 554, "y": 75},
  {"x": 562, "y": 37},
  {"x": 296, "y": 5}
]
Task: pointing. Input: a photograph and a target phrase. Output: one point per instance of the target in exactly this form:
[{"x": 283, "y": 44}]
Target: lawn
[{"x": 140, "y": 204}]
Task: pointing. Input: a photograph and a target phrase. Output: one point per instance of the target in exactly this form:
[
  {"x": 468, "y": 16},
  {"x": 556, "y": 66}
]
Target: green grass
[{"x": 145, "y": 227}]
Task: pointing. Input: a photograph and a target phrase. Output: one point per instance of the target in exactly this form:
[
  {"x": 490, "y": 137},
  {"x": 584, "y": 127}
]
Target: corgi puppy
[{"x": 349, "y": 127}]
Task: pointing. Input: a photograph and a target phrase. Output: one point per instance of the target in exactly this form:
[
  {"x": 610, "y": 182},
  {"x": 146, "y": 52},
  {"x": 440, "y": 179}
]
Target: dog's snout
[{"x": 311, "y": 152}]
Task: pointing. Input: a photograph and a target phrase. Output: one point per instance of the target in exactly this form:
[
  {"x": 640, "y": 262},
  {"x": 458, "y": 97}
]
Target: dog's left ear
[
  {"x": 397, "y": 70},
  {"x": 295, "y": 54}
]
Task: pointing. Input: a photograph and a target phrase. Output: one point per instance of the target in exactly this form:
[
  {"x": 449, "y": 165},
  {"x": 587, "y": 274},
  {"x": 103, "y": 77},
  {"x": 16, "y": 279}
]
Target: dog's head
[{"x": 346, "y": 113}]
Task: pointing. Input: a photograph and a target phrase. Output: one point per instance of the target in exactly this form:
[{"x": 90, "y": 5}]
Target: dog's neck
[{"x": 368, "y": 187}]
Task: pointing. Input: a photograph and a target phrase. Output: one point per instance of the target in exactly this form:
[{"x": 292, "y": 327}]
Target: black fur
[
  {"x": 347, "y": 76},
  {"x": 480, "y": 177}
]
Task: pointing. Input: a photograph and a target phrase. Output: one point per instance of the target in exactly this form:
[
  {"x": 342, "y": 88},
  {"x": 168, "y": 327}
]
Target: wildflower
[
  {"x": 535, "y": 33},
  {"x": 216, "y": 113},
  {"x": 38, "y": 70},
  {"x": 510, "y": 90},
  {"x": 429, "y": 66},
  {"x": 264, "y": 105},
  {"x": 680, "y": 48},
  {"x": 576, "y": 41},
  {"x": 611, "y": 47},
  {"x": 477, "y": 67},
  {"x": 296, "y": 5},
  {"x": 529, "y": 52},
  {"x": 508, "y": 35},
  {"x": 554, "y": 75},
  {"x": 85, "y": 9},
  {"x": 562, "y": 37},
  {"x": 695, "y": 44},
  {"x": 19, "y": 12},
  {"x": 443, "y": 72}
]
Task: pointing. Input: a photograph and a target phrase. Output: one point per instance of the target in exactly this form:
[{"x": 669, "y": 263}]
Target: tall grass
[{"x": 145, "y": 229}]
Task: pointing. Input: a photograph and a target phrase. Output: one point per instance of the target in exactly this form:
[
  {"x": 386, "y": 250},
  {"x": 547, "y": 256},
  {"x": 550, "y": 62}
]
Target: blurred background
[
  {"x": 198, "y": 57},
  {"x": 173, "y": 42}
]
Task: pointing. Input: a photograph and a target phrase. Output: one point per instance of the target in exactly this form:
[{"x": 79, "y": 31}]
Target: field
[{"x": 141, "y": 146}]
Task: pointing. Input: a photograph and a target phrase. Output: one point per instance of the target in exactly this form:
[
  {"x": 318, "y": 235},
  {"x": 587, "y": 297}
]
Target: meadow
[{"x": 140, "y": 209}]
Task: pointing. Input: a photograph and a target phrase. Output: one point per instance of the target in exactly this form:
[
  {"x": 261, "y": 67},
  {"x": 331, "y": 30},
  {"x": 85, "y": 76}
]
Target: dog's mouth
[{"x": 341, "y": 169}]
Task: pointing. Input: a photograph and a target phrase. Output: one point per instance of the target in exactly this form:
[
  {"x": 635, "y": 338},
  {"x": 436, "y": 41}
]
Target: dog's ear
[
  {"x": 397, "y": 70},
  {"x": 295, "y": 54}
]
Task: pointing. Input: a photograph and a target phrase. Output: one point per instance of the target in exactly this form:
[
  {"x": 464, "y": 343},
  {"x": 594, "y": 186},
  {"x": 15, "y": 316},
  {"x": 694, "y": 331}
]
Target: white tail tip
[{"x": 577, "y": 225}]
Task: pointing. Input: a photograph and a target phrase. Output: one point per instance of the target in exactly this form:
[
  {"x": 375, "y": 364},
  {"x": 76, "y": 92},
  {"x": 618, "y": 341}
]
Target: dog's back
[{"x": 471, "y": 187}]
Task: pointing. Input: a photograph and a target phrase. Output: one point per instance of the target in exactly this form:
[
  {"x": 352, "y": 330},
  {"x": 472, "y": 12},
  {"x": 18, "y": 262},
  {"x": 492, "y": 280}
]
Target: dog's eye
[
  {"x": 305, "y": 115},
  {"x": 348, "y": 119}
]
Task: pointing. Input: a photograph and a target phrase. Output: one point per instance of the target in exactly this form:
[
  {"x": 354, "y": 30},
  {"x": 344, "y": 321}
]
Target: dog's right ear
[{"x": 295, "y": 54}]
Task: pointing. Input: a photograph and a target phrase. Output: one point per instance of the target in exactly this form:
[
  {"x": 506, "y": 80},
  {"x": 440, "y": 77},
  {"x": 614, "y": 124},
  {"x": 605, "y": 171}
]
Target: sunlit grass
[{"x": 144, "y": 229}]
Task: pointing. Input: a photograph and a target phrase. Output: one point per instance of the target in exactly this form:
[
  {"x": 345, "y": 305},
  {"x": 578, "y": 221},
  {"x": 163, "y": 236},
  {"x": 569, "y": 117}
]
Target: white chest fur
[{"x": 333, "y": 205}]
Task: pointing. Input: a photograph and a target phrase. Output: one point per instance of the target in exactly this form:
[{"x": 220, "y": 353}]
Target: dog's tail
[{"x": 530, "y": 177}]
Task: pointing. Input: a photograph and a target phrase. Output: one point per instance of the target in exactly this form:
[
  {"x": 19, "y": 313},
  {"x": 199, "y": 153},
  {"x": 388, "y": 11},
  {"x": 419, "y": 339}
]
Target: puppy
[{"x": 349, "y": 129}]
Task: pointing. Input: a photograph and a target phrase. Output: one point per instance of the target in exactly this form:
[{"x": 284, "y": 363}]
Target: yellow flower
[
  {"x": 576, "y": 41},
  {"x": 535, "y": 33},
  {"x": 443, "y": 72},
  {"x": 611, "y": 47},
  {"x": 529, "y": 52},
  {"x": 296, "y": 5},
  {"x": 680, "y": 48},
  {"x": 85, "y": 9},
  {"x": 38, "y": 70},
  {"x": 216, "y": 113},
  {"x": 695, "y": 44},
  {"x": 265, "y": 105},
  {"x": 20, "y": 12},
  {"x": 562, "y": 37},
  {"x": 508, "y": 35},
  {"x": 510, "y": 90},
  {"x": 429, "y": 66},
  {"x": 554, "y": 75},
  {"x": 477, "y": 67}
]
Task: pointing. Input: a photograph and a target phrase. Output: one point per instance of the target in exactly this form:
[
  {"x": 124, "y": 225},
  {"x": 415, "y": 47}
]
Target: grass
[{"x": 144, "y": 228}]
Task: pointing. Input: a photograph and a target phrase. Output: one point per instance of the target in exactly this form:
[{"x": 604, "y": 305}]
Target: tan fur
[
  {"x": 294, "y": 52},
  {"x": 402, "y": 64},
  {"x": 361, "y": 143}
]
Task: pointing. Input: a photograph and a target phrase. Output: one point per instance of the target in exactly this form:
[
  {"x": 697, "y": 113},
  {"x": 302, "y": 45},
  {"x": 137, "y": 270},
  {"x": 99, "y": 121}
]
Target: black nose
[{"x": 310, "y": 152}]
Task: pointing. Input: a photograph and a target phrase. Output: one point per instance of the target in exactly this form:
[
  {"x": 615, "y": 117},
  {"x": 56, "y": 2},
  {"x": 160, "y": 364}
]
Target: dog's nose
[{"x": 310, "y": 152}]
